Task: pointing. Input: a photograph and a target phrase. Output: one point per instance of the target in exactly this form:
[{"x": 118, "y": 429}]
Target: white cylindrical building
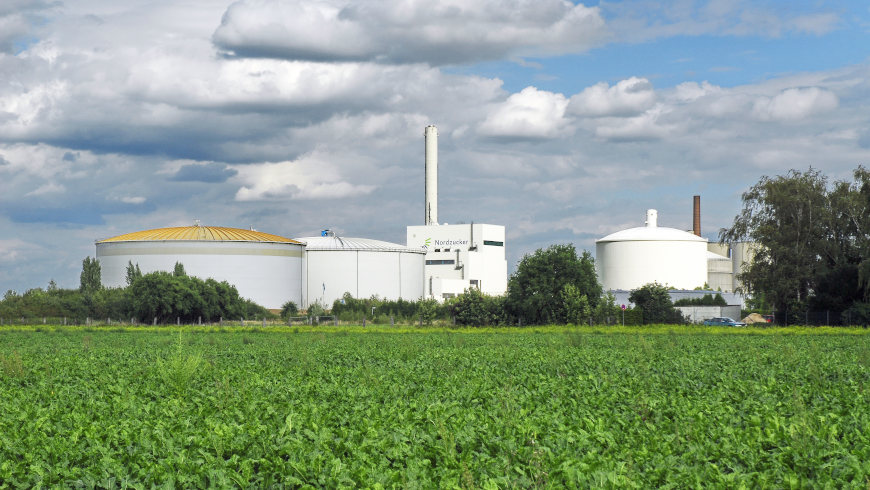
[
  {"x": 431, "y": 141},
  {"x": 362, "y": 267},
  {"x": 263, "y": 267},
  {"x": 630, "y": 258}
]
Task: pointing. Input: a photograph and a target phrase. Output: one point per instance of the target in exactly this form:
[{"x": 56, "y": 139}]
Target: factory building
[
  {"x": 362, "y": 267},
  {"x": 460, "y": 256},
  {"x": 265, "y": 268}
]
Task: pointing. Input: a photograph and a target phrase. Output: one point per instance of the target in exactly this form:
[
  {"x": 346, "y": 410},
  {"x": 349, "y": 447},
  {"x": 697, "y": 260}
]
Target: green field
[{"x": 545, "y": 408}]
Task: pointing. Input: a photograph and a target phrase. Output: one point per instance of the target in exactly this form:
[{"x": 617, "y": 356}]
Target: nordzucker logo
[{"x": 427, "y": 243}]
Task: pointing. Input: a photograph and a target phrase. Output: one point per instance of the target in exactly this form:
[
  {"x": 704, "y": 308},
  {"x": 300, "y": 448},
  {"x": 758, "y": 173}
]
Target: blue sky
[{"x": 562, "y": 121}]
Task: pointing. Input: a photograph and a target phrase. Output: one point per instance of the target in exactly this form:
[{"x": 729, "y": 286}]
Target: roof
[
  {"x": 652, "y": 233},
  {"x": 200, "y": 233},
  {"x": 359, "y": 244}
]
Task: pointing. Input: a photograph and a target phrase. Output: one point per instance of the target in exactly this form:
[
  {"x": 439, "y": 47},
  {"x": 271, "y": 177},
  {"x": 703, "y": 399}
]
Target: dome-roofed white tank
[
  {"x": 263, "y": 267},
  {"x": 630, "y": 258},
  {"x": 362, "y": 267}
]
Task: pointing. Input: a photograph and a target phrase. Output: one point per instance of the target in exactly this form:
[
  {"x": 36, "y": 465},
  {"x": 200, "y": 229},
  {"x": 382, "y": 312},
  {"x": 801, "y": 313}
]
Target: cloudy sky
[{"x": 562, "y": 121}]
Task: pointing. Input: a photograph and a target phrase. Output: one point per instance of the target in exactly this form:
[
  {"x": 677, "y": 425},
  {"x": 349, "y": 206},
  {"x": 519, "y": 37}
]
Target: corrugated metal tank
[
  {"x": 630, "y": 258},
  {"x": 263, "y": 267},
  {"x": 363, "y": 268}
]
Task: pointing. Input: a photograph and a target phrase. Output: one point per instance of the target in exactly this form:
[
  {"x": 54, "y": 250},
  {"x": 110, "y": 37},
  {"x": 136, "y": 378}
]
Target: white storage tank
[
  {"x": 263, "y": 267},
  {"x": 630, "y": 258},
  {"x": 363, "y": 268}
]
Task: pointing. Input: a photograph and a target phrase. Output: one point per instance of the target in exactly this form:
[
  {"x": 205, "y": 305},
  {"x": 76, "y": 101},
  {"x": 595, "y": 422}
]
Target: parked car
[{"x": 724, "y": 321}]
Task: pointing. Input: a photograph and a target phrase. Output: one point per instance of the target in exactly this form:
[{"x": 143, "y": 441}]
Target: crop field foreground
[{"x": 551, "y": 407}]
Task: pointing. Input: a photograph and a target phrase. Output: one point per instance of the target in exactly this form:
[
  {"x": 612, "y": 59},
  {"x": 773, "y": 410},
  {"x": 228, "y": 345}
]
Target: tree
[
  {"x": 606, "y": 311},
  {"x": 133, "y": 273},
  {"x": 90, "y": 277},
  {"x": 654, "y": 300},
  {"x": 575, "y": 304},
  {"x": 474, "y": 308},
  {"x": 427, "y": 310},
  {"x": 813, "y": 241},
  {"x": 534, "y": 290},
  {"x": 179, "y": 270},
  {"x": 289, "y": 309}
]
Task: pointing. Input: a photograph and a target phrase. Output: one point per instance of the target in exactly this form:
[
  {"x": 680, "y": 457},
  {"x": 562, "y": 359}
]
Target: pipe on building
[{"x": 696, "y": 216}]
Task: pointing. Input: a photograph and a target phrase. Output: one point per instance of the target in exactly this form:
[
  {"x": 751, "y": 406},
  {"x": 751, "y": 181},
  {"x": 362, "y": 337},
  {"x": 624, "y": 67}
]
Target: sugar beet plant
[{"x": 493, "y": 410}]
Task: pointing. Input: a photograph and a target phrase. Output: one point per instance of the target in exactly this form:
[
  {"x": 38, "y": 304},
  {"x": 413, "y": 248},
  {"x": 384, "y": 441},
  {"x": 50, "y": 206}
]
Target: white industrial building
[
  {"x": 458, "y": 257},
  {"x": 681, "y": 260},
  {"x": 362, "y": 267},
  {"x": 630, "y": 258},
  {"x": 265, "y": 268}
]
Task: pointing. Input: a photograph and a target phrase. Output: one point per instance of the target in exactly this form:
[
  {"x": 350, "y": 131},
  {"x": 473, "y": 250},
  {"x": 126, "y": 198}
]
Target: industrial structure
[
  {"x": 630, "y": 258},
  {"x": 265, "y": 268},
  {"x": 681, "y": 260},
  {"x": 362, "y": 267},
  {"x": 458, "y": 257},
  {"x": 439, "y": 261}
]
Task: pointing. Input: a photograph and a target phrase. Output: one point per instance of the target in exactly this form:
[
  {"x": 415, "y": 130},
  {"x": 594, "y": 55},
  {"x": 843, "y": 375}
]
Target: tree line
[
  {"x": 555, "y": 285},
  {"x": 165, "y": 296}
]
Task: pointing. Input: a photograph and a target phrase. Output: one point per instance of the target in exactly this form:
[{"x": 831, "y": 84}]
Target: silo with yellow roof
[{"x": 265, "y": 268}]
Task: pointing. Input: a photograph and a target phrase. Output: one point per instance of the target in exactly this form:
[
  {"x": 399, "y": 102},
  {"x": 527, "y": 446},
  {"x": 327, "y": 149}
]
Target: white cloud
[
  {"x": 626, "y": 98},
  {"x": 14, "y": 249},
  {"x": 794, "y": 103},
  {"x": 689, "y": 91},
  {"x": 132, "y": 199},
  {"x": 639, "y": 128},
  {"x": 414, "y": 31},
  {"x": 310, "y": 177},
  {"x": 531, "y": 113},
  {"x": 47, "y": 188}
]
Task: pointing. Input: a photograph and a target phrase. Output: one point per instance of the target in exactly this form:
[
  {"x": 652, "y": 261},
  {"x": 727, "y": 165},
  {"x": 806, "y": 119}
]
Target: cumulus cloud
[
  {"x": 417, "y": 31},
  {"x": 313, "y": 176},
  {"x": 794, "y": 103},
  {"x": 531, "y": 113},
  {"x": 626, "y": 98}
]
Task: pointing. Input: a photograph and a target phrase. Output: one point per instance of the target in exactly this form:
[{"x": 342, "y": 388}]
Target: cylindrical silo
[
  {"x": 263, "y": 267},
  {"x": 362, "y": 267},
  {"x": 630, "y": 258}
]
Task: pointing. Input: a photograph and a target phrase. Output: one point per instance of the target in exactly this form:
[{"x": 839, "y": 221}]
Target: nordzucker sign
[{"x": 447, "y": 243}]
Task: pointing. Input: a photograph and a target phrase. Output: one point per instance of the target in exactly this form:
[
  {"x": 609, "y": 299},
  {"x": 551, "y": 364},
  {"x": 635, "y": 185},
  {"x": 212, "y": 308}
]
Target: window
[
  {"x": 493, "y": 243},
  {"x": 440, "y": 262},
  {"x": 475, "y": 283}
]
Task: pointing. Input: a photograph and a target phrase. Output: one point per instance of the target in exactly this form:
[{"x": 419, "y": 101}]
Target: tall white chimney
[{"x": 431, "y": 136}]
